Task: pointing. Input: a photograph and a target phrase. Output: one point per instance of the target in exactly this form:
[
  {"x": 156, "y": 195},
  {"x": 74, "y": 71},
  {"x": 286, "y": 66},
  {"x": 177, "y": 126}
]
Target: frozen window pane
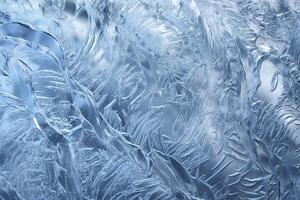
[{"x": 149, "y": 99}]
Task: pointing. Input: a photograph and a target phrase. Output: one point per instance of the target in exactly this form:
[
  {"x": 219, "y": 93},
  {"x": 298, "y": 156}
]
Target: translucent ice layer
[{"x": 149, "y": 99}]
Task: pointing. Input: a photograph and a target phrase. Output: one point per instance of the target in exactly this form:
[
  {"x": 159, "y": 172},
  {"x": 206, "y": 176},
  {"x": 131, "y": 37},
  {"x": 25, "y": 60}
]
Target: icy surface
[{"x": 149, "y": 99}]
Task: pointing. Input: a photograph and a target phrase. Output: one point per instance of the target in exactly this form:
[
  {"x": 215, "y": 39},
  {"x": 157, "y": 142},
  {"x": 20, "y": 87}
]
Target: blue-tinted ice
[{"x": 149, "y": 99}]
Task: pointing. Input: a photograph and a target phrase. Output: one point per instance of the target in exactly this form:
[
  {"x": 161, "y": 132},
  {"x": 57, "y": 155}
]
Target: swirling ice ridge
[{"x": 149, "y": 99}]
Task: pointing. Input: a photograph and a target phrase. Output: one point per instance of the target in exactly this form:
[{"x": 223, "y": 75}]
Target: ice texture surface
[{"x": 149, "y": 99}]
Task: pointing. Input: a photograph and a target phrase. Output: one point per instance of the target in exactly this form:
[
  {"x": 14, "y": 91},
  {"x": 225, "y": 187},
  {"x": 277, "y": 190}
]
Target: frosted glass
[{"x": 149, "y": 99}]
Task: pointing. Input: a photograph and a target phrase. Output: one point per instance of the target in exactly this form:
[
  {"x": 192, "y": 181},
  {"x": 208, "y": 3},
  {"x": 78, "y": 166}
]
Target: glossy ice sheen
[{"x": 149, "y": 99}]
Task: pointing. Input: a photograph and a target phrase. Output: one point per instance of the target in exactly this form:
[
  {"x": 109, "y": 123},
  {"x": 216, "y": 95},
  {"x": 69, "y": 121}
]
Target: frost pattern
[{"x": 149, "y": 99}]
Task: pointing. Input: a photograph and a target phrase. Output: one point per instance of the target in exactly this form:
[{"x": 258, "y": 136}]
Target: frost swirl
[{"x": 149, "y": 99}]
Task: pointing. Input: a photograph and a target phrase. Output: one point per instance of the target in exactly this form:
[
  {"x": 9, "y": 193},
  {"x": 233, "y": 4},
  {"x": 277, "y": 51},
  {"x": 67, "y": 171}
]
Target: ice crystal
[{"x": 149, "y": 99}]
